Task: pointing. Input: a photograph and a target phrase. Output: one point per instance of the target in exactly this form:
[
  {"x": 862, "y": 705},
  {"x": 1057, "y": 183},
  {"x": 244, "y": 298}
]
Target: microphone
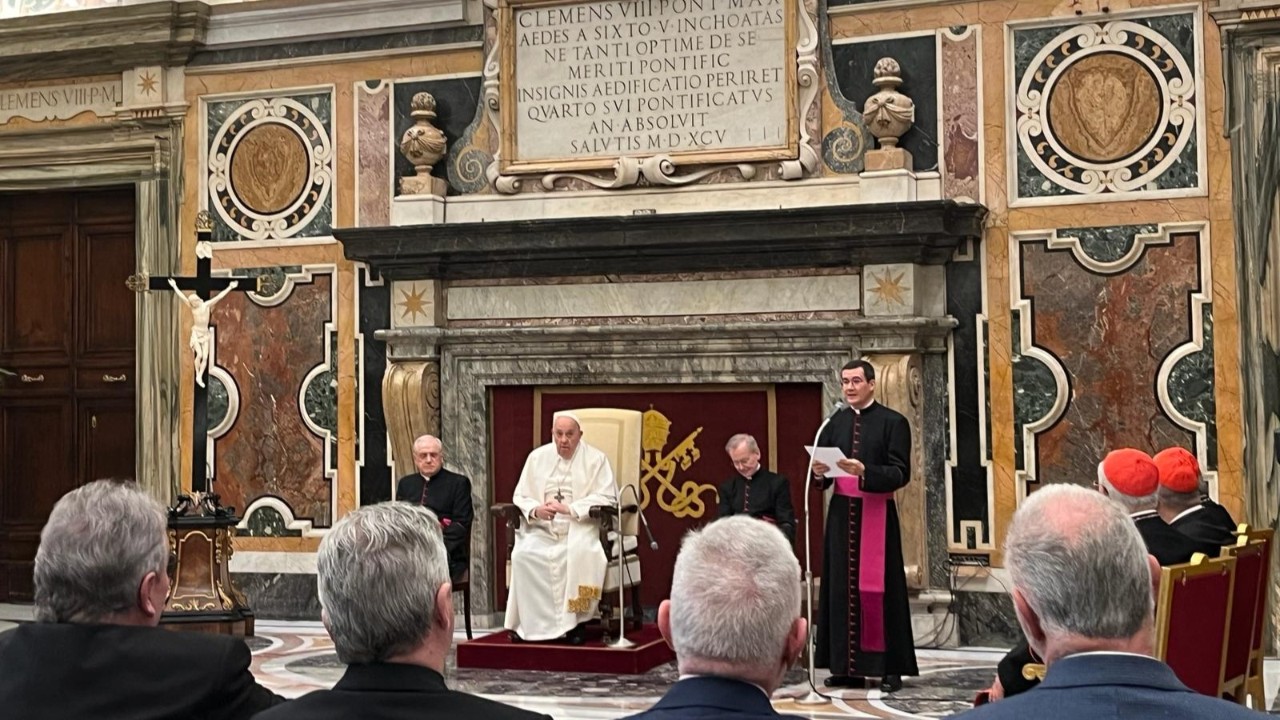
[{"x": 653, "y": 544}]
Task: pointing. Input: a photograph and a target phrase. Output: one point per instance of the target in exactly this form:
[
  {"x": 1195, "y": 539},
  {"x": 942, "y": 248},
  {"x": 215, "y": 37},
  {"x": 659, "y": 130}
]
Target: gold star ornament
[
  {"x": 413, "y": 303},
  {"x": 890, "y": 287},
  {"x": 147, "y": 83}
]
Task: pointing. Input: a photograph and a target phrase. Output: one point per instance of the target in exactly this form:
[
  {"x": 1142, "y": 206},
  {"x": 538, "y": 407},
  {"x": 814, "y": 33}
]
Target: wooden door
[{"x": 67, "y": 333}]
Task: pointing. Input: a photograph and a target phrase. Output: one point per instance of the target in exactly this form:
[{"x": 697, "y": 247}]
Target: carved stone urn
[
  {"x": 889, "y": 113},
  {"x": 423, "y": 145}
]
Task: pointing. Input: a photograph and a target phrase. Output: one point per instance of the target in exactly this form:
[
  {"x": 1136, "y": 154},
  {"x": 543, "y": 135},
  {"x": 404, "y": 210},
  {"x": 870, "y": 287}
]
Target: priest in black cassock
[
  {"x": 445, "y": 493},
  {"x": 864, "y": 620},
  {"x": 754, "y": 491}
]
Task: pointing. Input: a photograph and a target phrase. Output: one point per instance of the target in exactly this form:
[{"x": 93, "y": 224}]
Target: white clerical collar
[
  {"x": 1185, "y": 513},
  {"x": 690, "y": 676},
  {"x": 1143, "y": 514},
  {"x": 1107, "y": 652},
  {"x": 864, "y": 408}
]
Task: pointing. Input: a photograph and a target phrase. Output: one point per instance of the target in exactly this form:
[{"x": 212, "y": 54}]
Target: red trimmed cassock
[{"x": 864, "y": 619}]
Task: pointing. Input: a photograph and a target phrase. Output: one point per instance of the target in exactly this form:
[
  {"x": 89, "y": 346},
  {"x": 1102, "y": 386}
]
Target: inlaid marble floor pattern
[{"x": 296, "y": 657}]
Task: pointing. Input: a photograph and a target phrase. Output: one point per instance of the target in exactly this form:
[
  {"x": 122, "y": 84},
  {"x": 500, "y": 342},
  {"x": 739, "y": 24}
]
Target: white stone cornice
[{"x": 237, "y": 25}]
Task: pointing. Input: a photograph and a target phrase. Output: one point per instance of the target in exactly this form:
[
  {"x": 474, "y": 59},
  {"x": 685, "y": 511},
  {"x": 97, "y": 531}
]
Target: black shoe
[
  {"x": 891, "y": 683},
  {"x": 514, "y": 637},
  {"x": 836, "y": 681},
  {"x": 577, "y": 636}
]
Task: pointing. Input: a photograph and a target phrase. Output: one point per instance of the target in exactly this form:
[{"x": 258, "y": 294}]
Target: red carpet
[{"x": 497, "y": 652}]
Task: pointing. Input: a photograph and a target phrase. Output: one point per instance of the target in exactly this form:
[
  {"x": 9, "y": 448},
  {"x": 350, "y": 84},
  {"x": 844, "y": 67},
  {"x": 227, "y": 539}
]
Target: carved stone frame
[
  {"x": 473, "y": 360},
  {"x": 148, "y": 157}
]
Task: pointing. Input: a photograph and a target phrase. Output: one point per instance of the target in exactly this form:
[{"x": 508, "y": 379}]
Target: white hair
[
  {"x": 101, "y": 540},
  {"x": 378, "y": 572},
  {"x": 1080, "y": 563},
  {"x": 735, "y": 593},
  {"x": 739, "y": 439}
]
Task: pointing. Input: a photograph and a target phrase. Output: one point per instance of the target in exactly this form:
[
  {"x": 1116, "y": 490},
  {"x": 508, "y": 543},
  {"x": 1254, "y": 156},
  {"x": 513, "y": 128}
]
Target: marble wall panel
[
  {"x": 374, "y": 468},
  {"x": 373, "y": 153},
  {"x": 986, "y": 619},
  {"x": 270, "y": 352},
  {"x": 962, "y": 159},
  {"x": 918, "y": 55},
  {"x": 267, "y": 166},
  {"x": 968, "y": 464},
  {"x": 1110, "y": 333}
]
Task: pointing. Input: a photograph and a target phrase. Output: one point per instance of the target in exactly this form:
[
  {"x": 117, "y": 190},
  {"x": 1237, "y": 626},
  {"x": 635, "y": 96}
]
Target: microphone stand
[
  {"x": 622, "y": 642},
  {"x": 813, "y": 697}
]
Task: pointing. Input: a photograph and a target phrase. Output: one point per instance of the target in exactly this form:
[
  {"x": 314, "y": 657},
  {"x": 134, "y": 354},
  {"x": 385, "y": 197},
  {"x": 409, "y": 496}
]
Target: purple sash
[{"x": 875, "y": 512}]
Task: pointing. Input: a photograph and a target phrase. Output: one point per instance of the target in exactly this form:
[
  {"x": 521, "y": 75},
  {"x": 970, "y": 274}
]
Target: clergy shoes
[
  {"x": 578, "y": 635},
  {"x": 844, "y": 681},
  {"x": 891, "y": 683}
]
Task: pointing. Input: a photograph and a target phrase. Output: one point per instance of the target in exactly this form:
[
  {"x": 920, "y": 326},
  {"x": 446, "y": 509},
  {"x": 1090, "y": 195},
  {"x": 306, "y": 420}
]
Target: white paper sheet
[{"x": 828, "y": 456}]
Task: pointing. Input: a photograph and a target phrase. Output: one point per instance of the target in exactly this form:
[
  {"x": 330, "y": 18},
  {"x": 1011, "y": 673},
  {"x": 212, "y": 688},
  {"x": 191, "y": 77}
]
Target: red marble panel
[
  {"x": 373, "y": 154},
  {"x": 269, "y": 450},
  {"x": 1111, "y": 334},
  {"x": 961, "y": 154}
]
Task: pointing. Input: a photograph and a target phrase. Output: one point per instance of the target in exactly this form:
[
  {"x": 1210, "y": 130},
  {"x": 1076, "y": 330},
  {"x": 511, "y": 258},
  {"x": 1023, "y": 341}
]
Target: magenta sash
[{"x": 875, "y": 512}]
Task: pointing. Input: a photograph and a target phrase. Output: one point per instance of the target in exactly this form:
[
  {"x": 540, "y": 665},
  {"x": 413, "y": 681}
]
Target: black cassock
[
  {"x": 881, "y": 439},
  {"x": 765, "y": 495},
  {"x": 448, "y": 495}
]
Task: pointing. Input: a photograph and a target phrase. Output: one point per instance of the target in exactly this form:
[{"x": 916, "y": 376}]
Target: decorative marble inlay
[
  {"x": 414, "y": 302},
  {"x": 1127, "y": 343},
  {"x": 266, "y": 522},
  {"x": 217, "y": 406},
  {"x": 271, "y": 167},
  {"x": 373, "y": 153},
  {"x": 1107, "y": 108},
  {"x": 961, "y": 120}
]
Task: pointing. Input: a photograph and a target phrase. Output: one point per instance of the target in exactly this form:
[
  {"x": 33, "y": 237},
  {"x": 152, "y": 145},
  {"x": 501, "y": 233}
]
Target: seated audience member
[
  {"x": 1130, "y": 478},
  {"x": 446, "y": 494},
  {"x": 733, "y": 620},
  {"x": 1181, "y": 505},
  {"x": 383, "y": 578},
  {"x": 754, "y": 491},
  {"x": 1082, "y": 590},
  {"x": 95, "y": 652}
]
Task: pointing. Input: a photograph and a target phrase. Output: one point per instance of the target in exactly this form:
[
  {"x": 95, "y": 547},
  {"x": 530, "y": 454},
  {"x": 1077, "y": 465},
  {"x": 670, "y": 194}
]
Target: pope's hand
[
  {"x": 821, "y": 468},
  {"x": 559, "y": 507}
]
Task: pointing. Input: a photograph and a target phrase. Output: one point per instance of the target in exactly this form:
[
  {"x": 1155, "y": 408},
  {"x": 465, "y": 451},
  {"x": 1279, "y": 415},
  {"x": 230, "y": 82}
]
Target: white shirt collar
[
  {"x": 1185, "y": 513},
  {"x": 1143, "y": 514},
  {"x": 689, "y": 676},
  {"x": 1107, "y": 652}
]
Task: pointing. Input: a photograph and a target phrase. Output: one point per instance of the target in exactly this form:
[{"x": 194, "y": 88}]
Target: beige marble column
[
  {"x": 900, "y": 386},
  {"x": 411, "y": 406}
]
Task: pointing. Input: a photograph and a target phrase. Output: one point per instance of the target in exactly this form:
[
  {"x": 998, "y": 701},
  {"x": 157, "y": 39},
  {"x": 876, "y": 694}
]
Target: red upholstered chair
[
  {"x": 1255, "y": 695},
  {"x": 1193, "y": 613},
  {"x": 1248, "y": 593}
]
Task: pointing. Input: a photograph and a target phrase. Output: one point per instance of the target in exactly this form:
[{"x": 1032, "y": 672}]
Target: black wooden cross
[{"x": 203, "y": 285}]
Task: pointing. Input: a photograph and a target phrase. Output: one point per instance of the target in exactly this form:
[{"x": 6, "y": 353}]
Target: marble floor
[{"x": 293, "y": 658}]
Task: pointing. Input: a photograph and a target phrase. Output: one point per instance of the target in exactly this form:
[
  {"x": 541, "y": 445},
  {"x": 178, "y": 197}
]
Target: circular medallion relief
[
  {"x": 1104, "y": 107},
  {"x": 269, "y": 168}
]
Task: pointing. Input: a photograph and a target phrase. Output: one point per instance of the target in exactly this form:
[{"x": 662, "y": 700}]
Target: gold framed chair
[
  {"x": 1254, "y": 692},
  {"x": 617, "y": 434},
  {"x": 1248, "y": 598},
  {"x": 1193, "y": 618}
]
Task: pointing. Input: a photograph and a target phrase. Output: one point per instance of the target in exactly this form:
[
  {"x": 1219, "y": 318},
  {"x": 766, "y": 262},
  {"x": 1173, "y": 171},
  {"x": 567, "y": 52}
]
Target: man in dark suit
[
  {"x": 1082, "y": 590},
  {"x": 733, "y": 620},
  {"x": 755, "y": 491},
  {"x": 95, "y": 652},
  {"x": 446, "y": 494},
  {"x": 394, "y": 641},
  {"x": 1129, "y": 477},
  {"x": 1181, "y": 505}
]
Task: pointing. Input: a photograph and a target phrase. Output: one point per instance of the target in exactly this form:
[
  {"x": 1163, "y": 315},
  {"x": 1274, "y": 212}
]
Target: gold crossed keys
[{"x": 683, "y": 501}]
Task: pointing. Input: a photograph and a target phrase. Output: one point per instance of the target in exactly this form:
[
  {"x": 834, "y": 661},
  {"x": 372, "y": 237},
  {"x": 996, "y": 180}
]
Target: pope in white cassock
[{"x": 558, "y": 565}]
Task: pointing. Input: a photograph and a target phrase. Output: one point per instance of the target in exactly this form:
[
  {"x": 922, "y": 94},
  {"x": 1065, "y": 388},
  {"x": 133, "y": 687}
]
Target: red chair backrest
[
  {"x": 1260, "y": 609},
  {"x": 1244, "y": 606},
  {"x": 1192, "y": 621}
]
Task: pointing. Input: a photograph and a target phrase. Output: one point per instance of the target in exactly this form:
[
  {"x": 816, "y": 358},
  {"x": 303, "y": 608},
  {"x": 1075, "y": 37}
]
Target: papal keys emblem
[{"x": 655, "y": 464}]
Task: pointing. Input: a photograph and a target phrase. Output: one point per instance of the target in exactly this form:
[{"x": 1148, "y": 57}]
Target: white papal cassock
[{"x": 558, "y": 566}]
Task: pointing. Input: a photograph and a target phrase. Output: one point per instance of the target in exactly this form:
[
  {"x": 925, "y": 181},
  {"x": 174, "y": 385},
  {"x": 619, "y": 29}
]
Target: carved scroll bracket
[
  {"x": 411, "y": 407},
  {"x": 900, "y": 386}
]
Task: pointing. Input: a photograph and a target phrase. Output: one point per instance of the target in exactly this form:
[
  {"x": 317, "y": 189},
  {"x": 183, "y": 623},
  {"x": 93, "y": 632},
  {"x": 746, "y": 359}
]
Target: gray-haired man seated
[
  {"x": 101, "y": 582},
  {"x": 388, "y": 605},
  {"x": 733, "y": 620}
]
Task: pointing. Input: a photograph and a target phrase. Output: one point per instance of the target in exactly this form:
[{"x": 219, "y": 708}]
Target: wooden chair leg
[
  {"x": 637, "y": 610},
  {"x": 466, "y": 608}
]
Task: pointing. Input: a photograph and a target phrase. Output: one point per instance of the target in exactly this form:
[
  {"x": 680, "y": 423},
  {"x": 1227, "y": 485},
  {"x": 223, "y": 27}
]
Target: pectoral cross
[{"x": 559, "y": 497}]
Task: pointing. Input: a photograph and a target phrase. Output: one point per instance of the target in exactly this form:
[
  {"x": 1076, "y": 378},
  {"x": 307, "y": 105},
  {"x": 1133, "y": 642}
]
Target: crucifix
[{"x": 199, "y": 302}]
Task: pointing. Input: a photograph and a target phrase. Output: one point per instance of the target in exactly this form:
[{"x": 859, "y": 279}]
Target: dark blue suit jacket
[
  {"x": 710, "y": 698},
  {"x": 1110, "y": 687}
]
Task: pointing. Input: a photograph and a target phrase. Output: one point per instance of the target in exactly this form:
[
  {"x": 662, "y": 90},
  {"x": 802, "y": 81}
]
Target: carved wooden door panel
[{"x": 67, "y": 337}]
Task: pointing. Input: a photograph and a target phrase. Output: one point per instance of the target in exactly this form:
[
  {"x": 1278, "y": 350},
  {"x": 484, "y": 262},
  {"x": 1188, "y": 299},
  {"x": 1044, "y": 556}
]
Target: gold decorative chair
[
  {"x": 1248, "y": 599},
  {"x": 616, "y": 433},
  {"x": 1193, "y": 620}
]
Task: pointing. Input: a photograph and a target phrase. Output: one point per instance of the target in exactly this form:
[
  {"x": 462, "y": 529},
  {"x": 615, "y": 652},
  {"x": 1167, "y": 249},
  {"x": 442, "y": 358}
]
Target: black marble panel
[
  {"x": 375, "y": 314},
  {"x": 1191, "y": 388},
  {"x": 854, "y": 69},
  {"x": 280, "y": 596},
  {"x": 934, "y": 438},
  {"x": 339, "y": 46},
  {"x": 456, "y": 103},
  {"x": 267, "y": 522},
  {"x": 969, "y": 476},
  {"x": 987, "y": 620}
]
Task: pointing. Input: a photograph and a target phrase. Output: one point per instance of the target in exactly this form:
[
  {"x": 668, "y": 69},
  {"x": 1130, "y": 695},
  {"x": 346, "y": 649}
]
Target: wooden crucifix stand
[{"x": 202, "y": 597}]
